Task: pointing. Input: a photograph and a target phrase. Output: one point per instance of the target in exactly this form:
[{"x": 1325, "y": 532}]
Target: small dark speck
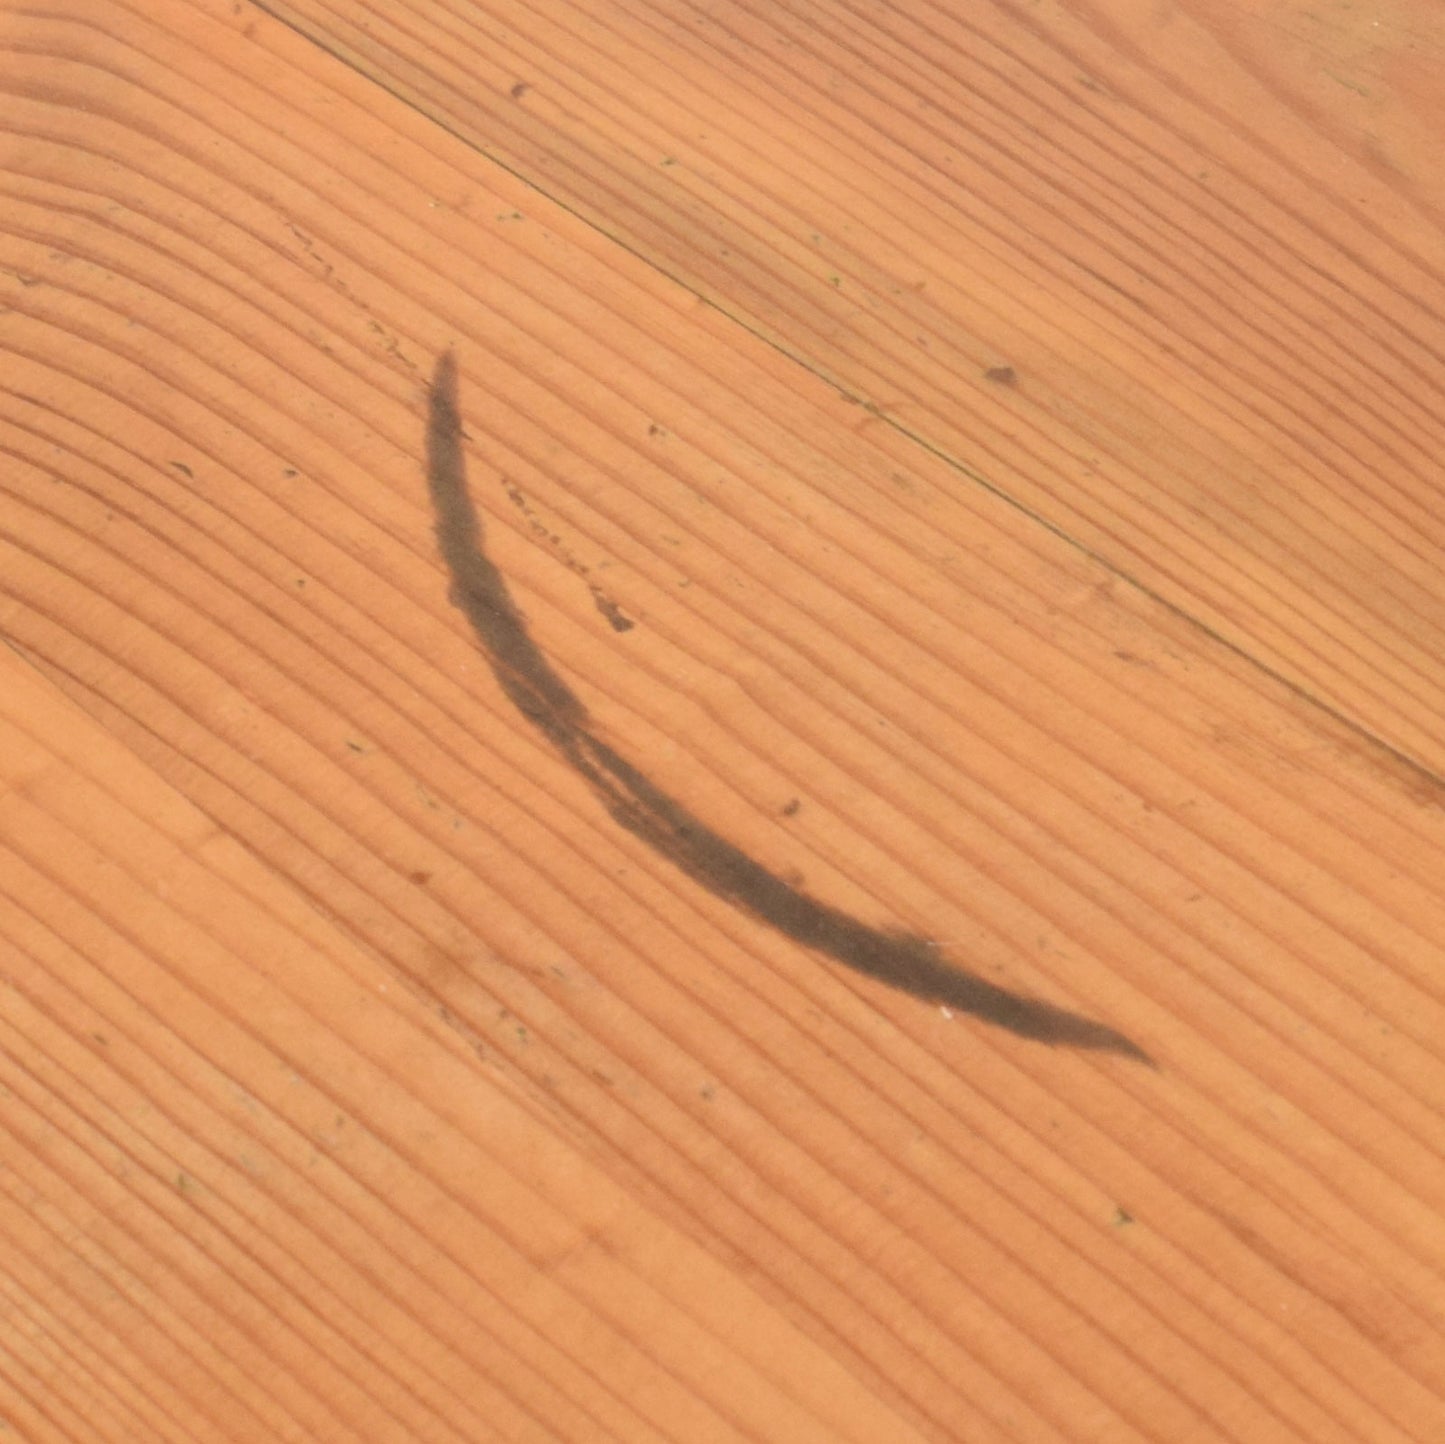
[
  {"x": 419, "y": 878},
  {"x": 181, "y": 467},
  {"x": 616, "y": 618},
  {"x": 653, "y": 429},
  {"x": 520, "y": 89},
  {"x": 1002, "y": 376},
  {"x": 791, "y": 809},
  {"x": 1122, "y": 1217},
  {"x": 355, "y": 746},
  {"x": 289, "y": 471}
]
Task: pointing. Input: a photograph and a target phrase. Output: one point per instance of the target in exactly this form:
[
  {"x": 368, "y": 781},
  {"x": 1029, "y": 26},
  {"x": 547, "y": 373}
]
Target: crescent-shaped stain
[{"x": 899, "y": 959}]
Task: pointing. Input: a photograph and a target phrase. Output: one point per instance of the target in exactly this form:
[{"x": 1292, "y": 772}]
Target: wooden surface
[{"x": 982, "y": 461}]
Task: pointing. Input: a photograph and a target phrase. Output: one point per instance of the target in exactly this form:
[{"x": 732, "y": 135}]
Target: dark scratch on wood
[{"x": 899, "y": 959}]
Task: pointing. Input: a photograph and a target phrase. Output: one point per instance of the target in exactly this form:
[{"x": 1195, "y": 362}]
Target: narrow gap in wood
[{"x": 718, "y": 304}]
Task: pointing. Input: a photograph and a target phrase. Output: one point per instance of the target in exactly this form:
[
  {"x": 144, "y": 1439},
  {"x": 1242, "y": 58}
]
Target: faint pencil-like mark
[{"x": 902, "y": 960}]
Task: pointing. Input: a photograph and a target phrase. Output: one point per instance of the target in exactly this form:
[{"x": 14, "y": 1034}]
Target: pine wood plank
[
  {"x": 259, "y": 1190},
  {"x": 1170, "y": 276},
  {"x": 625, "y": 1159}
]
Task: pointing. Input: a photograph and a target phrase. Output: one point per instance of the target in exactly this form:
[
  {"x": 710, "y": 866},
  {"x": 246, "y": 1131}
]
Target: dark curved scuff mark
[{"x": 524, "y": 673}]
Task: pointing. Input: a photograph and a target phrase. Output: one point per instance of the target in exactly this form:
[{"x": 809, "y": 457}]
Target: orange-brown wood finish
[{"x": 954, "y": 494}]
